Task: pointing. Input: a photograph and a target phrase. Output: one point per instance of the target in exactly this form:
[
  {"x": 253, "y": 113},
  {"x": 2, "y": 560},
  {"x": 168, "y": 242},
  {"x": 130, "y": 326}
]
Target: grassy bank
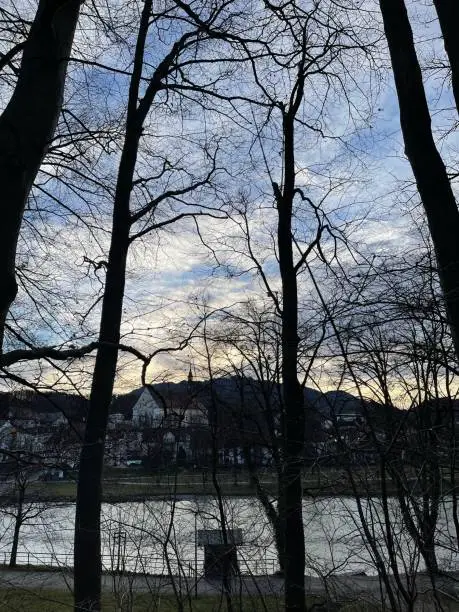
[
  {"x": 124, "y": 485},
  {"x": 47, "y": 600}
]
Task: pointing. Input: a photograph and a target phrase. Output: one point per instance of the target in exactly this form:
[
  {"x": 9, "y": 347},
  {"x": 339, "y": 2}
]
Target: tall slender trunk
[
  {"x": 215, "y": 431},
  {"x": 452, "y": 471},
  {"x": 275, "y": 516},
  {"x": 294, "y": 421},
  {"x": 19, "y": 519},
  {"x": 87, "y": 552},
  {"x": 279, "y": 526},
  {"x": 390, "y": 537},
  {"x": 427, "y": 165},
  {"x": 448, "y": 16},
  {"x": 27, "y": 126}
]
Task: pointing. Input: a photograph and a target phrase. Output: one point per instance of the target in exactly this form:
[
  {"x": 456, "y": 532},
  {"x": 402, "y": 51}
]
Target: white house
[{"x": 147, "y": 411}]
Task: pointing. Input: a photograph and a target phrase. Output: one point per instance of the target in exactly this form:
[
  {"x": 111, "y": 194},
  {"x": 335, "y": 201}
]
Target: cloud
[{"x": 349, "y": 159}]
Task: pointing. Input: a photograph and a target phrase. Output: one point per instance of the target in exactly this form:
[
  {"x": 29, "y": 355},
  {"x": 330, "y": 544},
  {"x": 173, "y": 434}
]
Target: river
[{"x": 159, "y": 536}]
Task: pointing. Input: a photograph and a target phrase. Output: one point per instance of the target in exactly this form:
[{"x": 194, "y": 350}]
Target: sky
[{"x": 349, "y": 157}]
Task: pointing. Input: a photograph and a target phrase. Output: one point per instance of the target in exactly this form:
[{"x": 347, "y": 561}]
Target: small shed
[{"x": 220, "y": 554}]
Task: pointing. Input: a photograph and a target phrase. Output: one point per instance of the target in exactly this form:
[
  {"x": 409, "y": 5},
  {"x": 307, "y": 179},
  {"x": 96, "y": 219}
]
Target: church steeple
[{"x": 190, "y": 379}]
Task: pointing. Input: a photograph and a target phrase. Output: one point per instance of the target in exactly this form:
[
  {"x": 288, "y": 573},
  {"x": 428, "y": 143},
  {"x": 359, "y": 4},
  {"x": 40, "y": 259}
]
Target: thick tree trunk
[
  {"x": 87, "y": 554},
  {"x": 279, "y": 525},
  {"x": 294, "y": 421},
  {"x": 27, "y": 126},
  {"x": 427, "y": 165},
  {"x": 448, "y": 16}
]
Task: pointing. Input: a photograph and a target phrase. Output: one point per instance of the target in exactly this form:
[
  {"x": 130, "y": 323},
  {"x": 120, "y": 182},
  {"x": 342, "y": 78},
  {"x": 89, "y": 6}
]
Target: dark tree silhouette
[
  {"x": 426, "y": 162},
  {"x": 28, "y": 123},
  {"x": 448, "y": 16},
  {"x": 127, "y": 226}
]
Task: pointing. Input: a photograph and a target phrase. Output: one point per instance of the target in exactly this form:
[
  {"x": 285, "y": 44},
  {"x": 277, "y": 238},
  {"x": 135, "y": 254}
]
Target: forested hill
[
  {"x": 230, "y": 391},
  {"x": 227, "y": 390}
]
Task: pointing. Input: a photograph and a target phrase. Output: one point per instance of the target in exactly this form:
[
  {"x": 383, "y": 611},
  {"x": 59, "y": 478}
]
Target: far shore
[{"x": 135, "y": 485}]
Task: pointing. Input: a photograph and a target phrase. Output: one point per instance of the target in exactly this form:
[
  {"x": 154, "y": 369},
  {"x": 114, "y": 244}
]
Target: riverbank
[
  {"x": 122, "y": 486},
  {"x": 38, "y": 590}
]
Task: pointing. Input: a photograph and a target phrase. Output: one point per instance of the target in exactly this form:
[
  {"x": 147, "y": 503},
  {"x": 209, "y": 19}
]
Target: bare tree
[
  {"x": 18, "y": 508},
  {"x": 132, "y": 219},
  {"x": 291, "y": 245},
  {"x": 250, "y": 346},
  {"x": 397, "y": 350}
]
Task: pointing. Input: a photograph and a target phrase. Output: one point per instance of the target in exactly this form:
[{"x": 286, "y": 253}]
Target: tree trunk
[
  {"x": 448, "y": 16},
  {"x": 279, "y": 526},
  {"x": 27, "y": 126},
  {"x": 215, "y": 430},
  {"x": 427, "y": 165},
  {"x": 17, "y": 526},
  {"x": 294, "y": 421},
  {"x": 87, "y": 553},
  {"x": 14, "y": 547},
  {"x": 88, "y": 565},
  {"x": 275, "y": 516}
]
